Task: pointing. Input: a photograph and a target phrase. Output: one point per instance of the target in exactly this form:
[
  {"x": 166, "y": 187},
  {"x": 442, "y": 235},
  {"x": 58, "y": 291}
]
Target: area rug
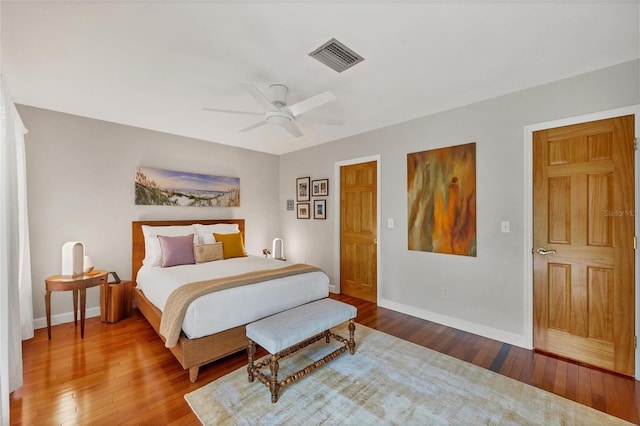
[{"x": 388, "y": 381}]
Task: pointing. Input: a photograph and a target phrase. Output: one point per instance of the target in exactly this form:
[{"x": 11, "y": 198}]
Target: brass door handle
[{"x": 545, "y": 251}]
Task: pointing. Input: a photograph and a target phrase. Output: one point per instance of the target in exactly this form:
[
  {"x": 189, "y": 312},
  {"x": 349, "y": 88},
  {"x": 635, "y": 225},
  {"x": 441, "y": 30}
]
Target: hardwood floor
[{"x": 122, "y": 373}]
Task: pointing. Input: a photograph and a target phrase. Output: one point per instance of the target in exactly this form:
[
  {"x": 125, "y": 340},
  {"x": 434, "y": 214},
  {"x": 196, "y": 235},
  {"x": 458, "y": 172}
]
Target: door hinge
[
  {"x": 635, "y": 342},
  {"x": 635, "y": 242},
  {"x": 635, "y": 144}
]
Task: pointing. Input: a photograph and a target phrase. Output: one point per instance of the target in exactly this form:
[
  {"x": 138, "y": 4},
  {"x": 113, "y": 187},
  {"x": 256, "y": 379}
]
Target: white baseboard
[
  {"x": 470, "y": 327},
  {"x": 64, "y": 318},
  {"x": 332, "y": 288}
]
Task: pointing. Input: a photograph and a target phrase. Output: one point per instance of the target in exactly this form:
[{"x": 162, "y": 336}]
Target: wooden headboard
[{"x": 137, "y": 237}]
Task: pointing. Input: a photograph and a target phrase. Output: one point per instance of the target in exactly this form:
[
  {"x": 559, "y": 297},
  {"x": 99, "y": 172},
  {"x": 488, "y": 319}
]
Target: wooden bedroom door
[
  {"x": 583, "y": 234},
  {"x": 358, "y": 231}
]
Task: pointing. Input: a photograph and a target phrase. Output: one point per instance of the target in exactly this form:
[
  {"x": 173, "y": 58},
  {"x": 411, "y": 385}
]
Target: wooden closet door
[
  {"x": 584, "y": 242},
  {"x": 358, "y": 231}
]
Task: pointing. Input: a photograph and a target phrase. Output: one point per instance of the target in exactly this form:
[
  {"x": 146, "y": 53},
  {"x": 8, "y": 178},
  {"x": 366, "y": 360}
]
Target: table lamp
[
  {"x": 281, "y": 256},
  {"x": 72, "y": 259}
]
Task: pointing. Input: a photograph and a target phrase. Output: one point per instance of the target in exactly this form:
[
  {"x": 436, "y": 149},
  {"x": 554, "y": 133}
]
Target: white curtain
[{"x": 16, "y": 306}]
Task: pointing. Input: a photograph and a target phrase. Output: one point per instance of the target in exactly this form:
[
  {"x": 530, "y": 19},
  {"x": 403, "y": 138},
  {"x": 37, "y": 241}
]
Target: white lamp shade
[{"x": 88, "y": 264}]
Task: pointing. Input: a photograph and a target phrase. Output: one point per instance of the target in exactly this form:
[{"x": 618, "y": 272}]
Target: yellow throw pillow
[{"x": 232, "y": 245}]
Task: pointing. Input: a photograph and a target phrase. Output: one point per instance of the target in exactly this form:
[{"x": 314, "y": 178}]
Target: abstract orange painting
[{"x": 441, "y": 194}]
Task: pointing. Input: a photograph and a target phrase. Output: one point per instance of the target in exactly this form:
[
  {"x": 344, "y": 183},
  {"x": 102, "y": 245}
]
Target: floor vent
[{"x": 336, "y": 55}]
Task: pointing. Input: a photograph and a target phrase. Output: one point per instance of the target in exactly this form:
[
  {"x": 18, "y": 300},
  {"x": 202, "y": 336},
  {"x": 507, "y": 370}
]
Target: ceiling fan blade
[
  {"x": 260, "y": 97},
  {"x": 319, "y": 120},
  {"x": 230, "y": 111},
  {"x": 254, "y": 126},
  {"x": 311, "y": 103},
  {"x": 293, "y": 129}
]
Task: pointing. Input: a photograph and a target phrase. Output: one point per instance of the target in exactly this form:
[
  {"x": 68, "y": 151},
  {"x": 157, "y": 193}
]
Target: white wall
[
  {"x": 80, "y": 183},
  {"x": 486, "y": 293}
]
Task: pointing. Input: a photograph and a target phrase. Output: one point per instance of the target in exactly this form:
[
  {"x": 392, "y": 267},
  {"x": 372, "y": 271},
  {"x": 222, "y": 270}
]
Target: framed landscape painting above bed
[{"x": 173, "y": 188}]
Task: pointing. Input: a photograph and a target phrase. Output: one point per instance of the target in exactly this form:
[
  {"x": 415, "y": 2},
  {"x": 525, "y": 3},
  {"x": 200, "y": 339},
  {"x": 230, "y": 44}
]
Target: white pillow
[
  {"x": 152, "y": 250},
  {"x": 205, "y": 232}
]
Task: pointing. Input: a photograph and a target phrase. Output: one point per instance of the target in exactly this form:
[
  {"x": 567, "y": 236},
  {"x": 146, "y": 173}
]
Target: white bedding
[{"x": 236, "y": 306}]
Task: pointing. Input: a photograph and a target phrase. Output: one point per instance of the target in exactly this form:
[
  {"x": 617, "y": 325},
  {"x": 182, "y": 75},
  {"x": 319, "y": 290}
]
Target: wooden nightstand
[
  {"x": 118, "y": 302},
  {"x": 79, "y": 286}
]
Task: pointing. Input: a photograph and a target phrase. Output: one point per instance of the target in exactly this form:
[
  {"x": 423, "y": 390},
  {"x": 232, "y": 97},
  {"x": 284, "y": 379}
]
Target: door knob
[{"x": 545, "y": 251}]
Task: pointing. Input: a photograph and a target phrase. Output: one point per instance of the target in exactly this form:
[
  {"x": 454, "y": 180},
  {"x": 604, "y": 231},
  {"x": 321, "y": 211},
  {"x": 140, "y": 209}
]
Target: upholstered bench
[{"x": 287, "y": 332}]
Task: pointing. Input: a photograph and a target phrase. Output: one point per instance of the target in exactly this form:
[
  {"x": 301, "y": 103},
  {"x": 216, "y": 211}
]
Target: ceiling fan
[{"x": 277, "y": 112}]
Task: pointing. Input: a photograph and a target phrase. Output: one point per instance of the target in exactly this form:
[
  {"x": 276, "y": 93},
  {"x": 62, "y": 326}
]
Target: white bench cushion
[{"x": 287, "y": 328}]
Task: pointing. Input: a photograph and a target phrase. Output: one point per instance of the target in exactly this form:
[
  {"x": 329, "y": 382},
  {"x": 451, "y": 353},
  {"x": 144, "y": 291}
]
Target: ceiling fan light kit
[{"x": 278, "y": 117}]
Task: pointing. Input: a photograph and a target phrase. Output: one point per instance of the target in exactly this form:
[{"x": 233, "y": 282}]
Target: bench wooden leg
[
  {"x": 251, "y": 351},
  {"x": 352, "y": 342},
  {"x": 274, "y": 387}
]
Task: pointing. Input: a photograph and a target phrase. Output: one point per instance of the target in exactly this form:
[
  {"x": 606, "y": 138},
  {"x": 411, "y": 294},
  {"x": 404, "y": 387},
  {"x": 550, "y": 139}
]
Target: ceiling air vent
[{"x": 336, "y": 55}]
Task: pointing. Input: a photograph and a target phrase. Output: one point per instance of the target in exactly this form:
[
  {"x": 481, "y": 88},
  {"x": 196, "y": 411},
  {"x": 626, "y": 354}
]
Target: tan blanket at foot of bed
[{"x": 178, "y": 301}]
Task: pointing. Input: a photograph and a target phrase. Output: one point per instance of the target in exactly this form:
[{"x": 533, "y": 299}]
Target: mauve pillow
[
  {"x": 152, "y": 251},
  {"x": 176, "y": 250}
]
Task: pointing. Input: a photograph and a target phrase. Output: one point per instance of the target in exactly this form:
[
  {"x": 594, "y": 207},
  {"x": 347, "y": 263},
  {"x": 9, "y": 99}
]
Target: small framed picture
[
  {"x": 289, "y": 205},
  {"x": 320, "y": 188},
  {"x": 319, "y": 209},
  {"x": 303, "y": 192},
  {"x": 303, "y": 211}
]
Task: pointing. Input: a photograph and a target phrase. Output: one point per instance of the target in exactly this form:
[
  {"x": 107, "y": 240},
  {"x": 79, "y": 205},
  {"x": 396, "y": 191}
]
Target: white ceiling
[{"x": 155, "y": 65}]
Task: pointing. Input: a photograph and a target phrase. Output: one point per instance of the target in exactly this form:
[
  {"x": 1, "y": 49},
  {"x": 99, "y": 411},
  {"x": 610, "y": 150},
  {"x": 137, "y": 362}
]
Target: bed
[{"x": 209, "y": 332}]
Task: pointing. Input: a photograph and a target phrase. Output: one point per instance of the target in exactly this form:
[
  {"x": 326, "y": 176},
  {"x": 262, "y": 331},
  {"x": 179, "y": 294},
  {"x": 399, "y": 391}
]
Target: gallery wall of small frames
[{"x": 305, "y": 190}]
